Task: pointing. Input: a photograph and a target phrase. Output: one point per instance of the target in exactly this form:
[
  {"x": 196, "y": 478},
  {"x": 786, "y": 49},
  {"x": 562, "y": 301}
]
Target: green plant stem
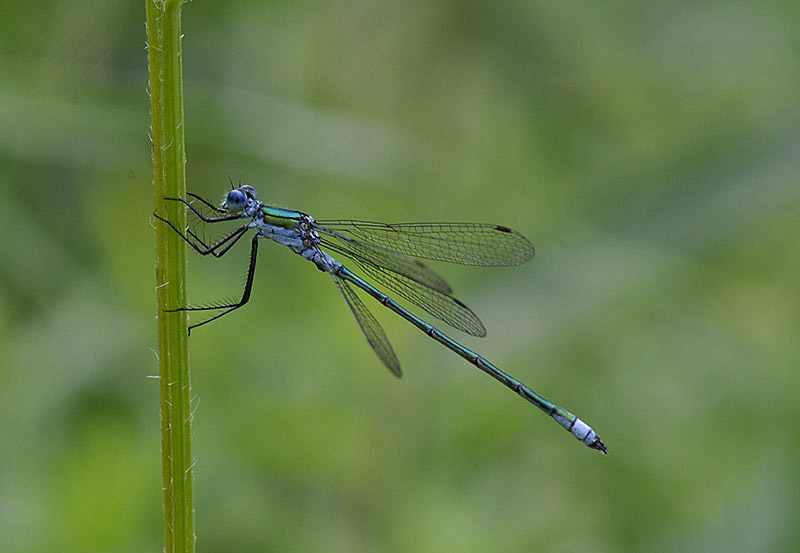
[{"x": 169, "y": 179}]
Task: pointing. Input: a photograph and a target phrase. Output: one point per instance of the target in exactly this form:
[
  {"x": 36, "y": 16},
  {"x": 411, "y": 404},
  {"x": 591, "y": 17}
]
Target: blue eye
[
  {"x": 250, "y": 191},
  {"x": 236, "y": 200}
]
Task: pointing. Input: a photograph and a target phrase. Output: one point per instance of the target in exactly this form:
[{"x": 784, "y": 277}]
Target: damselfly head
[
  {"x": 250, "y": 191},
  {"x": 236, "y": 200}
]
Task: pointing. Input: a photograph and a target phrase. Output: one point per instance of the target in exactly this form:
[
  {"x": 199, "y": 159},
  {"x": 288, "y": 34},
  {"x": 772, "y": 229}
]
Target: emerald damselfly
[{"x": 388, "y": 254}]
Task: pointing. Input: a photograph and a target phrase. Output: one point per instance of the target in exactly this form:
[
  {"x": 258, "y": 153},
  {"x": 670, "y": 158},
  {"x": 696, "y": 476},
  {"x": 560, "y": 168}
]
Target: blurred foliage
[{"x": 648, "y": 149}]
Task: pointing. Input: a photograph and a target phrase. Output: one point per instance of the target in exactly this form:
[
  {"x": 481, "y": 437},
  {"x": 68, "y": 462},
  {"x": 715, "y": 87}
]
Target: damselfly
[{"x": 389, "y": 255}]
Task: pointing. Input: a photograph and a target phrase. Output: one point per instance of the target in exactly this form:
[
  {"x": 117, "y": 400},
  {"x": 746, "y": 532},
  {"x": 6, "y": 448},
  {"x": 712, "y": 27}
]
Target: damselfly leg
[{"x": 202, "y": 248}]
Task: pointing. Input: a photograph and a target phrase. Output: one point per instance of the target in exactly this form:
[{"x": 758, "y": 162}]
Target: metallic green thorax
[{"x": 279, "y": 217}]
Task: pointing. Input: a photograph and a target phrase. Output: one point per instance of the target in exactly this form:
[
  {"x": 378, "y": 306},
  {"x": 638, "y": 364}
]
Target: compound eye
[
  {"x": 236, "y": 200},
  {"x": 250, "y": 191}
]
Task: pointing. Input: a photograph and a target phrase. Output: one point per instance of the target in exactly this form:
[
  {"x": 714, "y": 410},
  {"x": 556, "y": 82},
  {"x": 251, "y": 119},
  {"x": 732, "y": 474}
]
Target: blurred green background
[{"x": 650, "y": 152}]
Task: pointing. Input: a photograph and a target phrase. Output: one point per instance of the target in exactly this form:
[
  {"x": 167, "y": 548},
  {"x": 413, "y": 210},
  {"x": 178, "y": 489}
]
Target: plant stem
[{"x": 169, "y": 179}]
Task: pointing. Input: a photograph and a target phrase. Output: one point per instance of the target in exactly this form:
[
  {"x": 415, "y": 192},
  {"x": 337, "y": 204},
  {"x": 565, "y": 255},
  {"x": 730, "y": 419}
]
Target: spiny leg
[
  {"x": 203, "y": 217},
  {"x": 228, "y": 241},
  {"x": 206, "y": 202},
  {"x": 248, "y": 286},
  {"x": 231, "y": 239}
]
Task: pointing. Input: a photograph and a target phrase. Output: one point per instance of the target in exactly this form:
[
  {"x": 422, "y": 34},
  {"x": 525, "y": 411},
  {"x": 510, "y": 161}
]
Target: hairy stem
[{"x": 169, "y": 179}]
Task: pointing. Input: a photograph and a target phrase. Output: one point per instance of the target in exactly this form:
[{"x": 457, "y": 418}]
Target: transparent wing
[
  {"x": 439, "y": 304},
  {"x": 376, "y": 337},
  {"x": 464, "y": 243},
  {"x": 381, "y": 256}
]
